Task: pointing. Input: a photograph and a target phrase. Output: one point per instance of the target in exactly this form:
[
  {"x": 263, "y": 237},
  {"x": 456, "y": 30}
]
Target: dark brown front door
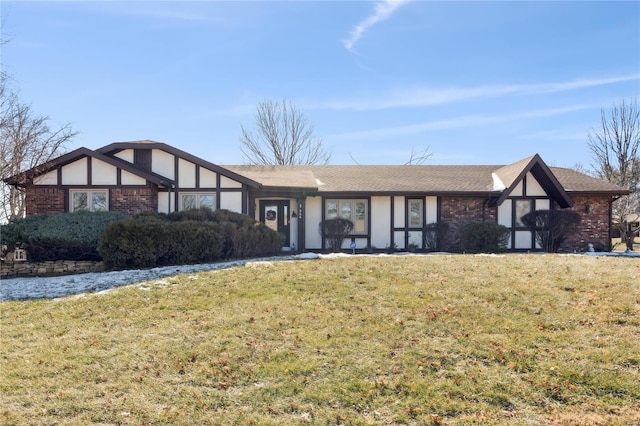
[{"x": 275, "y": 214}]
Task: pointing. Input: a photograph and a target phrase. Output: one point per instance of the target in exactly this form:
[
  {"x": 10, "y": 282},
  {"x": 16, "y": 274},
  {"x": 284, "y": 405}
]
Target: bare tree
[
  {"x": 283, "y": 136},
  {"x": 26, "y": 141},
  {"x": 418, "y": 157},
  {"x": 616, "y": 152}
]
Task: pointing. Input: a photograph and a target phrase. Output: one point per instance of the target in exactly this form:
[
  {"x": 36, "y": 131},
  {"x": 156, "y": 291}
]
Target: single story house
[{"x": 390, "y": 206}]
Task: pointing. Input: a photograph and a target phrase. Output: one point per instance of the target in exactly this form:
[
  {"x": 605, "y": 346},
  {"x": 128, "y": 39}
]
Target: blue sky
[{"x": 475, "y": 82}]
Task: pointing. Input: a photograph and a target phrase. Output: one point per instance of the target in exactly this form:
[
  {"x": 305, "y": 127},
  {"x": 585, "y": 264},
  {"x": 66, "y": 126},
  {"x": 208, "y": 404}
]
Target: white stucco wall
[
  {"x": 50, "y": 178},
  {"x": 162, "y": 163},
  {"x": 398, "y": 212},
  {"x": 231, "y": 201},
  {"x": 186, "y": 174},
  {"x": 380, "y": 217},
  {"x": 312, "y": 217},
  {"x": 75, "y": 173},
  {"x": 130, "y": 179},
  {"x": 163, "y": 205},
  {"x": 517, "y": 191},
  {"x": 207, "y": 178},
  {"x": 431, "y": 205},
  {"x": 126, "y": 155},
  {"x": 225, "y": 182},
  {"x": 533, "y": 187},
  {"x": 398, "y": 238},
  {"x": 103, "y": 173}
]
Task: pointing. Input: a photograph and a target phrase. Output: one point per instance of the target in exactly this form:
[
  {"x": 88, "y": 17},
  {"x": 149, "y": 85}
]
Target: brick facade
[
  {"x": 458, "y": 211},
  {"x": 50, "y": 200},
  {"x": 44, "y": 200},
  {"x": 594, "y": 227},
  {"x": 133, "y": 200}
]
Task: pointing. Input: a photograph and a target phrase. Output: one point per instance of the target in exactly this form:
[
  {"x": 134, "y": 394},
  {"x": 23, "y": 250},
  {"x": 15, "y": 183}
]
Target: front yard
[{"x": 455, "y": 339}]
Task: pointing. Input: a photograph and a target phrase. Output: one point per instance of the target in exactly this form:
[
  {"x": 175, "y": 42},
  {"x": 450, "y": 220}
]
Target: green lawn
[{"x": 461, "y": 339}]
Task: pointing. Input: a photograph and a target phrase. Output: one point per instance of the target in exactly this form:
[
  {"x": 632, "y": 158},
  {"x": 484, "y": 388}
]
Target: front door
[{"x": 275, "y": 214}]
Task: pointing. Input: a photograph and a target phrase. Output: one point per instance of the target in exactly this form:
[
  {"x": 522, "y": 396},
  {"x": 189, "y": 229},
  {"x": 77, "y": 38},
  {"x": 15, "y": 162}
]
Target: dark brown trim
[
  {"x": 24, "y": 178},
  {"x": 119, "y": 146},
  {"x": 197, "y": 176},
  {"x": 89, "y": 168},
  {"x": 545, "y": 178},
  {"x": 392, "y": 233}
]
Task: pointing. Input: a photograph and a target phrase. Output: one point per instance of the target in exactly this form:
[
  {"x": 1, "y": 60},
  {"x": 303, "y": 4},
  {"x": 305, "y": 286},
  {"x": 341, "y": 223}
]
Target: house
[{"x": 389, "y": 205}]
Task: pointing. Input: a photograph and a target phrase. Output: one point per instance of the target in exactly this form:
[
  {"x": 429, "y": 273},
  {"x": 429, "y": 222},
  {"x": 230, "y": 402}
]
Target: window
[
  {"x": 353, "y": 210},
  {"x": 94, "y": 201},
  {"x": 415, "y": 213},
  {"x": 197, "y": 201},
  {"x": 522, "y": 207}
]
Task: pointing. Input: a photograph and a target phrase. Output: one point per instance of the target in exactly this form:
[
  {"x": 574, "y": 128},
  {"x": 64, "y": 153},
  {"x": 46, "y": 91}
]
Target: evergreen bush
[
  {"x": 484, "y": 237},
  {"x": 186, "y": 237},
  {"x": 63, "y": 236}
]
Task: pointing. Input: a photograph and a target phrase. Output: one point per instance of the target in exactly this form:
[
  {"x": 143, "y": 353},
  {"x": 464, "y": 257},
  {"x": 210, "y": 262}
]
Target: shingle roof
[{"x": 407, "y": 179}]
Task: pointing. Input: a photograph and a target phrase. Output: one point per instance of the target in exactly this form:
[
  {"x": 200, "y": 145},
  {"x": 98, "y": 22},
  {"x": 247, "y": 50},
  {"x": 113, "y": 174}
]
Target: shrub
[
  {"x": 334, "y": 231},
  {"x": 63, "y": 236},
  {"x": 484, "y": 237},
  {"x": 435, "y": 235},
  {"x": 192, "y": 236},
  {"x": 552, "y": 227},
  {"x": 134, "y": 243}
]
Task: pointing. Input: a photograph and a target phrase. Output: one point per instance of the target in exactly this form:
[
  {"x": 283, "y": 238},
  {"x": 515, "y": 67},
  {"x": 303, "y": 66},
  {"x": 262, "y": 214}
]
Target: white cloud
[
  {"x": 459, "y": 122},
  {"x": 382, "y": 11},
  {"x": 423, "y": 97}
]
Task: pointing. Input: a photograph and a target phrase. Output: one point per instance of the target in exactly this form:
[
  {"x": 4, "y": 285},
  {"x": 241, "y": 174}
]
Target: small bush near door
[{"x": 335, "y": 231}]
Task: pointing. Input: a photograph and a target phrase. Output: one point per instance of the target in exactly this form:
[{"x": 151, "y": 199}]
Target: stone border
[{"x": 52, "y": 268}]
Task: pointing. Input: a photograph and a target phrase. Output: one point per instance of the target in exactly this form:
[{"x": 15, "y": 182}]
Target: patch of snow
[
  {"x": 100, "y": 282},
  {"x": 262, "y": 264}
]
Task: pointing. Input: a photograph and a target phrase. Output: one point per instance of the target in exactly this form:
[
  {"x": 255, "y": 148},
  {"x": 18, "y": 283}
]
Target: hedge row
[
  {"x": 64, "y": 236},
  {"x": 193, "y": 236}
]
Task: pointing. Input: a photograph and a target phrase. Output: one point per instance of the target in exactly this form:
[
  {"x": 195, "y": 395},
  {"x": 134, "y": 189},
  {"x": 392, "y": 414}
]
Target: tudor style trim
[{"x": 24, "y": 178}]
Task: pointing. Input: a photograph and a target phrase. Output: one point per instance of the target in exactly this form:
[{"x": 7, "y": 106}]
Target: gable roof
[
  {"x": 513, "y": 174},
  {"x": 22, "y": 179},
  {"x": 115, "y": 147}
]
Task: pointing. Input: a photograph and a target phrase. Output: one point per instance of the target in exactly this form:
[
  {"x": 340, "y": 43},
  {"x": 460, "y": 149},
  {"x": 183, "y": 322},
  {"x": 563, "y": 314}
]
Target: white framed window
[
  {"x": 197, "y": 200},
  {"x": 416, "y": 213},
  {"x": 357, "y": 211},
  {"x": 95, "y": 200}
]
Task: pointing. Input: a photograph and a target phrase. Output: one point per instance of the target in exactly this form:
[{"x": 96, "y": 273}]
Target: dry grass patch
[{"x": 518, "y": 339}]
